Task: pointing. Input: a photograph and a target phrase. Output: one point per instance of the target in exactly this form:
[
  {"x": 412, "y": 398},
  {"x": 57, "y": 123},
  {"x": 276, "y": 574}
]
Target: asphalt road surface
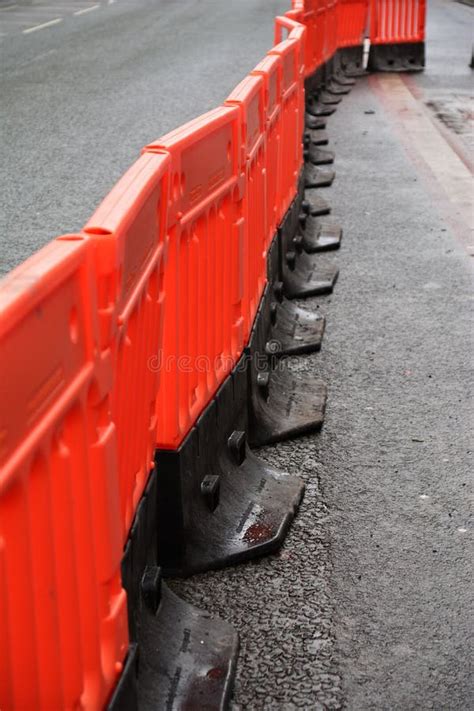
[
  {"x": 80, "y": 98},
  {"x": 369, "y": 604}
]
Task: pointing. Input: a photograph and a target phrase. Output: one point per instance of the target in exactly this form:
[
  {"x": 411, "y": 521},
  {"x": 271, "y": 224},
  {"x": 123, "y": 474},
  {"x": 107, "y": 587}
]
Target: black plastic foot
[
  {"x": 403, "y": 57},
  {"x": 343, "y": 80},
  {"x": 187, "y": 659},
  {"x": 295, "y": 330},
  {"x": 320, "y": 109},
  {"x": 184, "y": 659},
  {"x": 303, "y": 276},
  {"x": 301, "y": 273},
  {"x": 319, "y": 236},
  {"x": 329, "y": 99},
  {"x": 317, "y": 178},
  {"x": 178, "y": 657},
  {"x": 314, "y": 123},
  {"x": 334, "y": 87},
  {"x": 283, "y": 403},
  {"x": 317, "y": 156},
  {"x": 349, "y": 62},
  {"x": 314, "y": 204},
  {"x": 218, "y": 504},
  {"x": 317, "y": 138}
]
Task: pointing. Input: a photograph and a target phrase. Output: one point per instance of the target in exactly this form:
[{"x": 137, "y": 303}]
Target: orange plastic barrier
[
  {"x": 62, "y": 609},
  {"x": 312, "y": 15},
  {"x": 352, "y": 19},
  {"x": 330, "y": 30},
  {"x": 249, "y": 97},
  {"x": 206, "y": 322},
  {"x": 128, "y": 234},
  {"x": 292, "y": 109},
  {"x": 397, "y": 21},
  {"x": 270, "y": 69}
]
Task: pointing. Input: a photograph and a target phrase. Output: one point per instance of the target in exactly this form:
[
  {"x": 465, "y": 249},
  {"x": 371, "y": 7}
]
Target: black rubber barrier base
[
  {"x": 283, "y": 403},
  {"x": 317, "y": 138},
  {"x": 218, "y": 504},
  {"x": 319, "y": 236},
  {"x": 328, "y": 98},
  {"x": 349, "y": 62},
  {"x": 179, "y": 657},
  {"x": 306, "y": 278},
  {"x": 315, "y": 155},
  {"x": 314, "y": 204},
  {"x": 292, "y": 330},
  {"x": 334, "y": 87},
  {"x": 300, "y": 272},
  {"x": 314, "y": 123},
  {"x": 297, "y": 331},
  {"x": 316, "y": 178},
  {"x": 184, "y": 659},
  {"x": 403, "y": 57},
  {"x": 314, "y": 108}
]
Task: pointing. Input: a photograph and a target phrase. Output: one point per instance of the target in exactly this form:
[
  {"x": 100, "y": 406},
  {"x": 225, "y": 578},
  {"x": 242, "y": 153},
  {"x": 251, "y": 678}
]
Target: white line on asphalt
[
  {"x": 85, "y": 9},
  {"x": 45, "y": 24}
]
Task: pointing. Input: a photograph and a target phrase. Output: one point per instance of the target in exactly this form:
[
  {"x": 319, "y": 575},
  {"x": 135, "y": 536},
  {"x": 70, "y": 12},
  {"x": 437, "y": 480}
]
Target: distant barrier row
[{"x": 116, "y": 338}]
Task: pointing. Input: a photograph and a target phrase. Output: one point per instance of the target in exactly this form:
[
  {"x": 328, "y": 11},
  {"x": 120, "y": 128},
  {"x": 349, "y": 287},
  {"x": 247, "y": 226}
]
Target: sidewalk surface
[{"x": 369, "y": 603}]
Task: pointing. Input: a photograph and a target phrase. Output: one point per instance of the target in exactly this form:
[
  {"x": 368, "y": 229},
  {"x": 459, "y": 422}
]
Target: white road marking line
[
  {"x": 85, "y": 9},
  {"x": 424, "y": 496},
  {"x": 461, "y": 529},
  {"x": 45, "y": 24}
]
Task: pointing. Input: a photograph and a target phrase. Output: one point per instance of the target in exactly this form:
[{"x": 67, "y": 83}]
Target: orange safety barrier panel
[
  {"x": 206, "y": 326},
  {"x": 270, "y": 69},
  {"x": 397, "y": 21},
  {"x": 62, "y": 608},
  {"x": 249, "y": 97},
  {"x": 352, "y": 17},
  {"x": 292, "y": 120},
  {"x": 311, "y": 14},
  {"x": 128, "y": 234},
  {"x": 330, "y": 30}
]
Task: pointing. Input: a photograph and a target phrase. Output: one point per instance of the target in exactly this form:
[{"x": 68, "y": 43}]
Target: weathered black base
[
  {"x": 317, "y": 138},
  {"x": 334, "y": 87},
  {"x": 301, "y": 273},
  {"x": 319, "y": 236},
  {"x": 317, "y": 156},
  {"x": 314, "y": 123},
  {"x": 349, "y": 62},
  {"x": 308, "y": 278},
  {"x": 183, "y": 659},
  {"x": 218, "y": 504},
  {"x": 295, "y": 330},
  {"x": 314, "y": 204},
  {"x": 403, "y": 57},
  {"x": 282, "y": 402},
  {"x": 316, "y": 109},
  {"x": 317, "y": 178},
  {"x": 291, "y": 330},
  {"x": 329, "y": 98},
  {"x": 178, "y": 656}
]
